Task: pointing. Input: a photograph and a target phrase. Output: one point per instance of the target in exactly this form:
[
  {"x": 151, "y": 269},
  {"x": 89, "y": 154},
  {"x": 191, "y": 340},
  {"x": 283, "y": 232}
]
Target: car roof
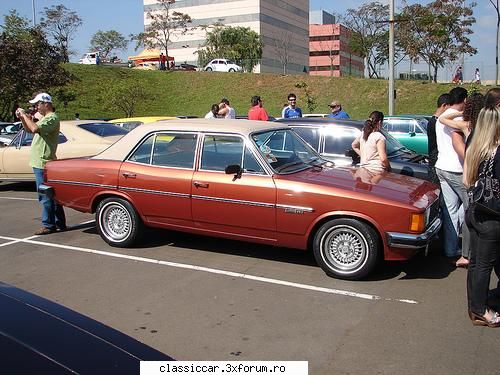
[
  {"x": 120, "y": 149},
  {"x": 320, "y": 121}
]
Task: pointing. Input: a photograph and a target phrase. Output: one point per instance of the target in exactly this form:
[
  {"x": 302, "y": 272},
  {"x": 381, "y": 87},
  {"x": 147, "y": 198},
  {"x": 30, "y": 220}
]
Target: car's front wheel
[
  {"x": 346, "y": 248},
  {"x": 118, "y": 222},
  {"x": 208, "y": 69}
]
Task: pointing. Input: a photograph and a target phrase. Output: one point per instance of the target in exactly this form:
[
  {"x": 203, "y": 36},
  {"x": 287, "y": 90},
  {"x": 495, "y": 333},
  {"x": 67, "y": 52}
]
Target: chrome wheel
[
  {"x": 344, "y": 248},
  {"x": 116, "y": 221}
]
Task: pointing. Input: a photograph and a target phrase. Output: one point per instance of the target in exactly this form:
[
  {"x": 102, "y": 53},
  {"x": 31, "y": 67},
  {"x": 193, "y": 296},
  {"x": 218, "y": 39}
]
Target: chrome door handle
[
  {"x": 129, "y": 175},
  {"x": 200, "y": 184}
]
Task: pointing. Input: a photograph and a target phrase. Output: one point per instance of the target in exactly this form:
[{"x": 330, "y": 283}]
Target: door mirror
[
  {"x": 234, "y": 169},
  {"x": 413, "y": 134}
]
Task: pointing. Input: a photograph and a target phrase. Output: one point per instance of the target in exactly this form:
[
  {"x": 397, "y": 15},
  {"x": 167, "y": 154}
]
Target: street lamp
[{"x": 33, "y": 8}]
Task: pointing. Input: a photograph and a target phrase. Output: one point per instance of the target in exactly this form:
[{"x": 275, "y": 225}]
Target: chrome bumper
[
  {"x": 46, "y": 190},
  {"x": 414, "y": 241}
]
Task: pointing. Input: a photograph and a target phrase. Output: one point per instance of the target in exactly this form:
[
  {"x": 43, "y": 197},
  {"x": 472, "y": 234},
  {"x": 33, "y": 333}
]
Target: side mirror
[
  {"x": 413, "y": 134},
  {"x": 234, "y": 169}
]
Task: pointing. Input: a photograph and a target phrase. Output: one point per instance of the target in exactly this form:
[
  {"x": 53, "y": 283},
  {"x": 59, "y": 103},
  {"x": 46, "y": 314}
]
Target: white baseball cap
[{"x": 42, "y": 97}]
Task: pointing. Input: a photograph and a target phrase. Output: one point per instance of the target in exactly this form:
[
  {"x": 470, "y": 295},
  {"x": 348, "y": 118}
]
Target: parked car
[
  {"x": 8, "y": 131},
  {"x": 270, "y": 118},
  {"x": 332, "y": 138},
  {"x": 233, "y": 179},
  {"x": 62, "y": 341},
  {"x": 185, "y": 66},
  {"x": 222, "y": 65},
  {"x": 315, "y": 115},
  {"x": 76, "y": 138},
  {"x": 129, "y": 123},
  {"x": 411, "y": 132}
]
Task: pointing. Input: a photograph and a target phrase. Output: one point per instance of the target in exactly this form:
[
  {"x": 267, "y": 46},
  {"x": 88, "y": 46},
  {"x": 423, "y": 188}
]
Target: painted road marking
[{"x": 212, "y": 270}]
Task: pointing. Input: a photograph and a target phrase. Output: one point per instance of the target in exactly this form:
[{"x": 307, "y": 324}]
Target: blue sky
[{"x": 126, "y": 16}]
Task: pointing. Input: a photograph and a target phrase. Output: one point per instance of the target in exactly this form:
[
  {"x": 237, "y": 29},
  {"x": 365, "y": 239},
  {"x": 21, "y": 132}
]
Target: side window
[
  {"x": 339, "y": 141},
  {"x": 219, "y": 151},
  {"x": 250, "y": 164},
  {"x": 310, "y": 135},
  {"x": 142, "y": 154},
  {"x": 27, "y": 139},
  {"x": 174, "y": 150},
  {"x": 402, "y": 127},
  {"x": 62, "y": 138}
]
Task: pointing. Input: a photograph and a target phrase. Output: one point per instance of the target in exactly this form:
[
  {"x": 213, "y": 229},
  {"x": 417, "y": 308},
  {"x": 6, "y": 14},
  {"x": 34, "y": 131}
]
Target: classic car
[
  {"x": 332, "y": 138},
  {"x": 225, "y": 179},
  {"x": 222, "y": 65},
  {"x": 130, "y": 123},
  {"x": 62, "y": 341},
  {"x": 410, "y": 131},
  {"x": 8, "y": 131},
  {"x": 76, "y": 138}
]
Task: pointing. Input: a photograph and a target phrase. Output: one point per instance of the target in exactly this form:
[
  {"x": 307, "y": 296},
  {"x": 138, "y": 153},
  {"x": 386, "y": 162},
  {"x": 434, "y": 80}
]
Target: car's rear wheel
[
  {"x": 231, "y": 70},
  {"x": 118, "y": 222},
  {"x": 346, "y": 248},
  {"x": 208, "y": 69}
]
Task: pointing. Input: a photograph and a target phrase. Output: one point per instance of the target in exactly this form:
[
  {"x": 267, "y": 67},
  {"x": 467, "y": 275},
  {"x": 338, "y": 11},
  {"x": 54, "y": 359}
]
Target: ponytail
[{"x": 371, "y": 123}]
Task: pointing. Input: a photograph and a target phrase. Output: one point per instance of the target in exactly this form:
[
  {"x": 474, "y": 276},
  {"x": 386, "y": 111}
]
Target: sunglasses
[{"x": 292, "y": 100}]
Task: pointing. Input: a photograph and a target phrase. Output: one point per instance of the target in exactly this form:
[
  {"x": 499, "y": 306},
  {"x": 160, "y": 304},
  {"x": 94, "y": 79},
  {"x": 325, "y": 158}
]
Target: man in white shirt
[
  {"x": 214, "y": 112},
  {"x": 449, "y": 170}
]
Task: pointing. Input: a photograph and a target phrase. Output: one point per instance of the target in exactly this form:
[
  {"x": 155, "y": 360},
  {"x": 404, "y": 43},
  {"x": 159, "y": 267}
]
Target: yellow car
[{"x": 130, "y": 123}]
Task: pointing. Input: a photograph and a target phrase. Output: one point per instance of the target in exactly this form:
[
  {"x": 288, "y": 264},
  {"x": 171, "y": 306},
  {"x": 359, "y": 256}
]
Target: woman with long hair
[
  {"x": 370, "y": 145},
  {"x": 484, "y": 227}
]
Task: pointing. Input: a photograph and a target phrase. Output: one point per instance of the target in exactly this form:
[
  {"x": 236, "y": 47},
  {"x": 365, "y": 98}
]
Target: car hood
[{"x": 378, "y": 185}]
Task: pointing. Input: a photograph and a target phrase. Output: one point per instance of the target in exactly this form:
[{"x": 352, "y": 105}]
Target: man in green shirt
[{"x": 43, "y": 149}]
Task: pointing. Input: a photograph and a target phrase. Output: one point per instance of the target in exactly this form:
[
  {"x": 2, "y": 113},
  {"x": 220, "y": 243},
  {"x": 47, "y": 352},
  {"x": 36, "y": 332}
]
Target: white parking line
[
  {"x": 211, "y": 270},
  {"x": 14, "y": 240},
  {"x": 20, "y": 199}
]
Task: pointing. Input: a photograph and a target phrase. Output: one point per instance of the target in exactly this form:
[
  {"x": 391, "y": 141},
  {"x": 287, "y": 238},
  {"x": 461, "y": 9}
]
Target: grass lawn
[{"x": 193, "y": 93}]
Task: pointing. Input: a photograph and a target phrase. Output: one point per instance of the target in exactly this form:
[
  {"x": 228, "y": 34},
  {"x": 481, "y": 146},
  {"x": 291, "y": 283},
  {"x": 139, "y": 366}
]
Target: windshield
[
  {"x": 285, "y": 152},
  {"x": 392, "y": 145},
  {"x": 104, "y": 129}
]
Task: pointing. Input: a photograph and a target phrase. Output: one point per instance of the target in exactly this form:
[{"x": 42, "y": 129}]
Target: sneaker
[{"x": 44, "y": 230}]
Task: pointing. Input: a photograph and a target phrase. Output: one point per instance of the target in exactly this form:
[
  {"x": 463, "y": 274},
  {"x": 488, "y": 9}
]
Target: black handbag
[{"x": 484, "y": 196}]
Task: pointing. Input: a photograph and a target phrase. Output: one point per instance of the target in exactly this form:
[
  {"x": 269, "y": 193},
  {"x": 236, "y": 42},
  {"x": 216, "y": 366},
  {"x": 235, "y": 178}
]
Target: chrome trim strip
[
  {"x": 234, "y": 201},
  {"x": 63, "y": 182},
  {"x": 157, "y": 192},
  {"x": 414, "y": 241},
  {"x": 295, "y": 209}
]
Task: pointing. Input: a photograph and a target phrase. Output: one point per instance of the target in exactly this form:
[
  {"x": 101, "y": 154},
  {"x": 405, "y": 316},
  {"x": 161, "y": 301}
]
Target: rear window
[{"x": 103, "y": 129}]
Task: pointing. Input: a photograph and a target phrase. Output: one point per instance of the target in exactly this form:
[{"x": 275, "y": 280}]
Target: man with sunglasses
[
  {"x": 336, "y": 111},
  {"x": 291, "y": 111},
  {"x": 43, "y": 149}
]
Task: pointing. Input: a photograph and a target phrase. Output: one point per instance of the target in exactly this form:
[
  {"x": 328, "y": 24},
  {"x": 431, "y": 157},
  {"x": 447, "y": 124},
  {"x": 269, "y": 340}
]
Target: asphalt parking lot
[{"x": 199, "y": 298}]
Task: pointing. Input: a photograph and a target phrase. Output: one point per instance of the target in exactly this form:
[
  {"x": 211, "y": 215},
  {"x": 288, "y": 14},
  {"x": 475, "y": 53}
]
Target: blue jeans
[
  {"x": 454, "y": 195},
  {"x": 52, "y": 213},
  {"x": 485, "y": 255}
]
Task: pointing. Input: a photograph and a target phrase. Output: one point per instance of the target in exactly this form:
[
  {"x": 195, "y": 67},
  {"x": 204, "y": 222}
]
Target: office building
[
  {"x": 329, "y": 53},
  {"x": 274, "y": 20}
]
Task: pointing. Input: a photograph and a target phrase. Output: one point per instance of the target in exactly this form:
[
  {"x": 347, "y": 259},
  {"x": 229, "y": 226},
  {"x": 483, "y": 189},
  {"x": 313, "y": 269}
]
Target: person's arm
[
  {"x": 458, "y": 143},
  {"x": 382, "y": 153},
  {"x": 450, "y": 120},
  {"x": 28, "y": 124},
  {"x": 355, "y": 146}
]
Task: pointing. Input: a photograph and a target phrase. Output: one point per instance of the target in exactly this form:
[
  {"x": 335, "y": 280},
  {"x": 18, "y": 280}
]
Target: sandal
[{"x": 480, "y": 320}]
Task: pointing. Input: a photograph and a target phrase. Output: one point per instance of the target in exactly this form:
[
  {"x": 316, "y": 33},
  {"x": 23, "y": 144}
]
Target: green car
[{"x": 411, "y": 131}]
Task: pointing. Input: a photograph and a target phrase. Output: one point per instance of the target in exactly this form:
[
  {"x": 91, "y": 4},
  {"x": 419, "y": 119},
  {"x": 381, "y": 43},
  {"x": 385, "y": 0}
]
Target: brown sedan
[{"x": 252, "y": 181}]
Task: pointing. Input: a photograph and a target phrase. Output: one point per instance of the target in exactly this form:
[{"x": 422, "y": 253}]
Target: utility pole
[
  {"x": 33, "y": 7},
  {"x": 391, "y": 58}
]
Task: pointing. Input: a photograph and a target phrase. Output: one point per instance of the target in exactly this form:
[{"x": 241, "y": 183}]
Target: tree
[
  {"x": 126, "y": 97},
  {"x": 165, "y": 24},
  {"x": 61, "y": 24},
  {"x": 240, "y": 44},
  {"x": 282, "y": 47},
  {"x": 436, "y": 32},
  {"x": 369, "y": 37},
  {"x": 28, "y": 63},
  {"x": 107, "y": 41},
  {"x": 311, "y": 101},
  {"x": 497, "y": 39}
]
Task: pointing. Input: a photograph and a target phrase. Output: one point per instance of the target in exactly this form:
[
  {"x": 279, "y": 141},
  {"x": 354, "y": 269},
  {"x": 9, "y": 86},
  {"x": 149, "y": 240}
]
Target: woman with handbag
[{"x": 482, "y": 178}]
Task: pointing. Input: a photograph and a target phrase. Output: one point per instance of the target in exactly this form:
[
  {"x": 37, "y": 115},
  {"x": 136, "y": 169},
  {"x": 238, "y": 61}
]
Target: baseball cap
[{"x": 42, "y": 97}]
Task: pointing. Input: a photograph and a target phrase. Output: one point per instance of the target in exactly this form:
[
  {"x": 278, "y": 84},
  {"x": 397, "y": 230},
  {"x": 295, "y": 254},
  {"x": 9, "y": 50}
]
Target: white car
[{"x": 222, "y": 65}]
